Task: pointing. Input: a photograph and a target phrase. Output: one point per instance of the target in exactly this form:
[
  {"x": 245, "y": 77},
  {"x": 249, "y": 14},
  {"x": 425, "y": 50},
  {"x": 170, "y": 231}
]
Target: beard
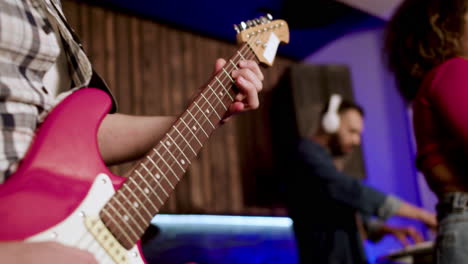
[{"x": 336, "y": 147}]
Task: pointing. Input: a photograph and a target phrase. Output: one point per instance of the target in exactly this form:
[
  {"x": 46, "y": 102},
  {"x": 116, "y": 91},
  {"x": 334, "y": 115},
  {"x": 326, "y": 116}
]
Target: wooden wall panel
[{"x": 154, "y": 69}]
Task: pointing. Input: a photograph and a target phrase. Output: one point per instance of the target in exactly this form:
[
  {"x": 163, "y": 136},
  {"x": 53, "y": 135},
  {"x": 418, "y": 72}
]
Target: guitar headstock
[{"x": 263, "y": 35}]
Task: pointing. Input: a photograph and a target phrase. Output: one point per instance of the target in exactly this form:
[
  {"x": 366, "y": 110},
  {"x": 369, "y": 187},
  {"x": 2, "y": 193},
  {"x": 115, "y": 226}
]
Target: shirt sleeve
[
  {"x": 343, "y": 188},
  {"x": 449, "y": 97},
  {"x": 373, "y": 227}
]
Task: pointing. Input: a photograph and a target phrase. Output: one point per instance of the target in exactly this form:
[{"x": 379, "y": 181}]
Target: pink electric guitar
[{"x": 63, "y": 191}]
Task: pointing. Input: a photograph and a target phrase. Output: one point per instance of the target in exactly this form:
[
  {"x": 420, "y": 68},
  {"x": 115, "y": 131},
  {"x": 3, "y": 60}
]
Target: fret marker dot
[
  {"x": 207, "y": 111},
  {"x": 125, "y": 218},
  {"x": 221, "y": 93},
  {"x": 158, "y": 176},
  {"x": 182, "y": 161},
  {"x": 194, "y": 128},
  {"x": 168, "y": 143},
  {"x": 146, "y": 190},
  {"x": 135, "y": 204}
]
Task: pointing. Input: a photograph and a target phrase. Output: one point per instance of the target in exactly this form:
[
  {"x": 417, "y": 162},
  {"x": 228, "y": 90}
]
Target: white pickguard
[{"x": 73, "y": 232}]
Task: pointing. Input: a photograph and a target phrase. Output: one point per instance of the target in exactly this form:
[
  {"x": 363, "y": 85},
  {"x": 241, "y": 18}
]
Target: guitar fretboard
[{"x": 129, "y": 212}]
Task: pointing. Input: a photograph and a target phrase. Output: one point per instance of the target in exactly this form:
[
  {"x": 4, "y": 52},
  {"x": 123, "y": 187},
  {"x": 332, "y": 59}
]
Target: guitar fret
[
  {"x": 188, "y": 144},
  {"x": 222, "y": 103},
  {"x": 228, "y": 75},
  {"x": 177, "y": 145},
  {"x": 139, "y": 202},
  {"x": 232, "y": 63},
  {"x": 151, "y": 188},
  {"x": 169, "y": 167},
  {"x": 196, "y": 121},
  {"x": 240, "y": 54},
  {"x": 200, "y": 110},
  {"x": 130, "y": 216},
  {"x": 152, "y": 162},
  {"x": 214, "y": 110},
  {"x": 122, "y": 231},
  {"x": 170, "y": 153},
  {"x": 118, "y": 226},
  {"x": 144, "y": 193},
  {"x": 163, "y": 176},
  {"x": 224, "y": 88},
  {"x": 195, "y": 136}
]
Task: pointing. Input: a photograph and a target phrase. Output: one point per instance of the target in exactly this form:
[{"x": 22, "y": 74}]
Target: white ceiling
[{"x": 380, "y": 8}]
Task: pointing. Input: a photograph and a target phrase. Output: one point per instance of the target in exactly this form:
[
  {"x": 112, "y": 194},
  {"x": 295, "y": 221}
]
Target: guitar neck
[{"x": 129, "y": 212}]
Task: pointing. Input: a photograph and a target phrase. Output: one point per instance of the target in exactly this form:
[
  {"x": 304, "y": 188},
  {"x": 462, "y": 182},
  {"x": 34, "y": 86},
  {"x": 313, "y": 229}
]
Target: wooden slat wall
[{"x": 154, "y": 69}]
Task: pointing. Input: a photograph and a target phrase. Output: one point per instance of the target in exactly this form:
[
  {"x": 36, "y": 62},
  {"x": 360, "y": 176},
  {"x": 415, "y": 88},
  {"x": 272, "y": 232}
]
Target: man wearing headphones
[{"x": 331, "y": 210}]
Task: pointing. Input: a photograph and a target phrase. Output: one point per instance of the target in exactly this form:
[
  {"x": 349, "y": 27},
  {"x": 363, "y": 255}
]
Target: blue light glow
[{"x": 222, "y": 220}]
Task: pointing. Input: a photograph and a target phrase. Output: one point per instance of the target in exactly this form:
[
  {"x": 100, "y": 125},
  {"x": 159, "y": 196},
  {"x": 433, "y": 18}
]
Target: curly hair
[{"x": 421, "y": 35}]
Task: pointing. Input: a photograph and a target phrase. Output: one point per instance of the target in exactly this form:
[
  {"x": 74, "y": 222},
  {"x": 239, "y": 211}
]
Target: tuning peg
[
  {"x": 237, "y": 29},
  {"x": 269, "y": 17},
  {"x": 258, "y": 21},
  {"x": 243, "y": 25},
  {"x": 250, "y": 23}
]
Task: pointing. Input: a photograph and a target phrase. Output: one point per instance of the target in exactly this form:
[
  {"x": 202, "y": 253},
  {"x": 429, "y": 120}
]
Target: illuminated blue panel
[
  {"x": 165, "y": 219},
  {"x": 210, "y": 239}
]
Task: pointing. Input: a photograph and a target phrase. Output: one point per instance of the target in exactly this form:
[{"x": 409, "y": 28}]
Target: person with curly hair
[{"x": 426, "y": 48}]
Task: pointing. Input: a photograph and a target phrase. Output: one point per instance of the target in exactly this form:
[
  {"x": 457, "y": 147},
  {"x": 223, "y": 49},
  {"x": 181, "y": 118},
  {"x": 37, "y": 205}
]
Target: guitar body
[{"x": 62, "y": 181}]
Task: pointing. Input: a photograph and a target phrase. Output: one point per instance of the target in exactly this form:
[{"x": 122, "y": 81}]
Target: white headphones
[{"x": 331, "y": 118}]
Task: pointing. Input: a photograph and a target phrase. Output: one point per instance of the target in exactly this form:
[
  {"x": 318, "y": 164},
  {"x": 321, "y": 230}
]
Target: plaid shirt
[{"x": 28, "y": 48}]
